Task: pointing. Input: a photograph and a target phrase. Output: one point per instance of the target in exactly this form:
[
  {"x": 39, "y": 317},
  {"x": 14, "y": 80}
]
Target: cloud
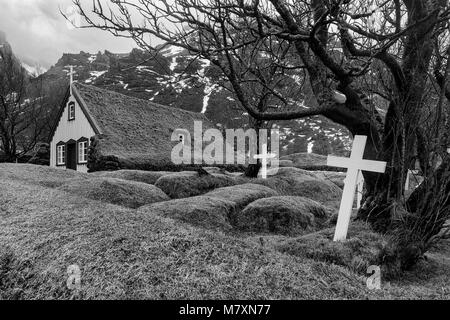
[{"x": 38, "y": 32}]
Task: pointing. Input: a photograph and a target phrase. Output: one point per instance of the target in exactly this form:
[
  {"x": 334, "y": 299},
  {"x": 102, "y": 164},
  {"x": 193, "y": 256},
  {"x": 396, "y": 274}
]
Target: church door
[{"x": 71, "y": 162}]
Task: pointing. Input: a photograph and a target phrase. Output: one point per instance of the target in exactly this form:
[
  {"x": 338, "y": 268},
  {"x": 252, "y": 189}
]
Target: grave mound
[
  {"x": 287, "y": 215},
  {"x": 298, "y": 182},
  {"x": 190, "y": 183},
  {"x": 201, "y": 211},
  {"x": 242, "y": 194},
  {"x": 149, "y": 177},
  {"x": 116, "y": 191}
]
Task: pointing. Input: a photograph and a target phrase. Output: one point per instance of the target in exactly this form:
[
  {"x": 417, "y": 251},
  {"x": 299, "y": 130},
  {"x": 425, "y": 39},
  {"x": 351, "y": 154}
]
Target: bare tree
[
  {"x": 337, "y": 46},
  {"x": 22, "y": 116}
]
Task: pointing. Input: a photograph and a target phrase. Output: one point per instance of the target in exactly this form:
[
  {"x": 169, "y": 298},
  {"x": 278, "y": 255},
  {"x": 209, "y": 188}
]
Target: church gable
[{"x": 71, "y": 134}]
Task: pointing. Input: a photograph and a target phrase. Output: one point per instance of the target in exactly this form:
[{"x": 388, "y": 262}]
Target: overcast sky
[{"x": 37, "y": 31}]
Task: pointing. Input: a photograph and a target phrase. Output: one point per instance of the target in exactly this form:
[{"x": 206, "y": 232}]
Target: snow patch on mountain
[
  {"x": 95, "y": 75},
  {"x": 34, "y": 70},
  {"x": 209, "y": 89},
  {"x": 171, "y": 51},
  {"x": 173, "y": 63}
]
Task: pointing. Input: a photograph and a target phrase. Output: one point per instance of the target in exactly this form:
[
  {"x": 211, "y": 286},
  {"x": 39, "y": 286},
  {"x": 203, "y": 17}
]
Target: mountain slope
[{"x": 174, "y": 78}]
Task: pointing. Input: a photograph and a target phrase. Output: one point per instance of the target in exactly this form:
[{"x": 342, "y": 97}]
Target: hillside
[
  {"x": 126, "y": 253},
  {"x": 175, "y": 78}
]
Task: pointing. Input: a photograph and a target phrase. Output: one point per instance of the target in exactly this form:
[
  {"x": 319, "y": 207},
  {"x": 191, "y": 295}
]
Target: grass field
[{"x": 126, "y": 253}]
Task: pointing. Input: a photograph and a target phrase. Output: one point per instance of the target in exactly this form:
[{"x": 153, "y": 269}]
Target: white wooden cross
[
  {"x": 354, "y": 165},
  {"x": 264, "y": 156}
]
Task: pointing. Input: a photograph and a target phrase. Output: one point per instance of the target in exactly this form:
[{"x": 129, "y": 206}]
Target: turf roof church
[{"x": 98, "y": 129}]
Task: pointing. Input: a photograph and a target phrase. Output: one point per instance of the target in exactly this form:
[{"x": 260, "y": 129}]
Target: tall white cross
[
  {"x": 354, "y": 165},
  {"x": 264, "y": 156},
  {"x": 71, "y": 73}
]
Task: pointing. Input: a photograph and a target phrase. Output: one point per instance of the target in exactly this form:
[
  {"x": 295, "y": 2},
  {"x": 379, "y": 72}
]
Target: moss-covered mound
[
  {"x": 243, "y": 194},
  {"x": 336, "y": 177},
  {"x": 40, "y": 175},
  {"x": 285, "y": 215},
  {"x": 149, "y": 177},
  {"x": 121, "y": 192},
  {"x": 298, "y": 182},
  {"x": 202, "y": 211},
  {"x": 189, "y": 183}
]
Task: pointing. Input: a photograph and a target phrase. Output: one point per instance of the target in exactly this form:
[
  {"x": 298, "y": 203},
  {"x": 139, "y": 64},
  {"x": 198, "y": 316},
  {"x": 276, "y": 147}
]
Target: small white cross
[
  {"x": 71, "y": 73},
  {"x": 354, "y": 165},
  {"x": 264, "y": 156}
]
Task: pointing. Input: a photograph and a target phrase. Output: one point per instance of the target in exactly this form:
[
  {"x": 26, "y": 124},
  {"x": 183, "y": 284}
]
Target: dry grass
[
  {"x": 285, "y": 215},
  {"x": 361, "y": 249},
  {"x": 149, "y": 177},
  {"x": 129, "y": 254},
  {"x": 39, "y": 175},
  {"x": 285, "y": 163},
  {"x": 306, "y": 159},
  {"x": 336, "y": 177},
  {"x": 202, "y": 211},
  {"x": 189, "y": 184},
  {"x": 242, "y": 194},
  {"x": 298, "y": 182},
  {"x": 116, "y": 191}
]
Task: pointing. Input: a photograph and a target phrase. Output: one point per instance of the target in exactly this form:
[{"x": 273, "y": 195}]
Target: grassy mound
[
  {"x": 336, "y": 177},
  {"x": 125, "y": 253},
  {"x": 304, "y": 159},
  {"x": 298, "y": 182},
  {"x": 242, "y": 194},
  {"x": 362, "y": 248},
  {"x": 149, "y": 177},
  {"x": 285, "y": 163},
  {"x": 116, "y": 191},
  {"x": 188, "y": 184},
  {"x": 200, "y": 211},
  {"x": 39, "y": 175},
  {"x": 128, "y": 254},
  {"x": 282, "y": 215}
]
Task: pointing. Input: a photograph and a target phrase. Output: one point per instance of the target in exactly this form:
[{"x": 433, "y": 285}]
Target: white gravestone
[
  {"x": 354, "y": 165},
  {"x": 264, "y": 156}
]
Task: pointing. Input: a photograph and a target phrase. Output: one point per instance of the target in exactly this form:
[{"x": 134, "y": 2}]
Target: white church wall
[{"x": 66, "y": 130}]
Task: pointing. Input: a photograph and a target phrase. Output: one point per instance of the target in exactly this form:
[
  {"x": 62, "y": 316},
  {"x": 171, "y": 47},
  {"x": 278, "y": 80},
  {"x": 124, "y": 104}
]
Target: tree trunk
[{"x": 252, "y": 169}]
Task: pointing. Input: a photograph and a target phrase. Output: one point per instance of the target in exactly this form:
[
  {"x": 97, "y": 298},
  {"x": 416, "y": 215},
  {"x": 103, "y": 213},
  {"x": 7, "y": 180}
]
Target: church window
[
  {"x": 71, "y": 111},
  {"x": 82, "y": 150}
]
